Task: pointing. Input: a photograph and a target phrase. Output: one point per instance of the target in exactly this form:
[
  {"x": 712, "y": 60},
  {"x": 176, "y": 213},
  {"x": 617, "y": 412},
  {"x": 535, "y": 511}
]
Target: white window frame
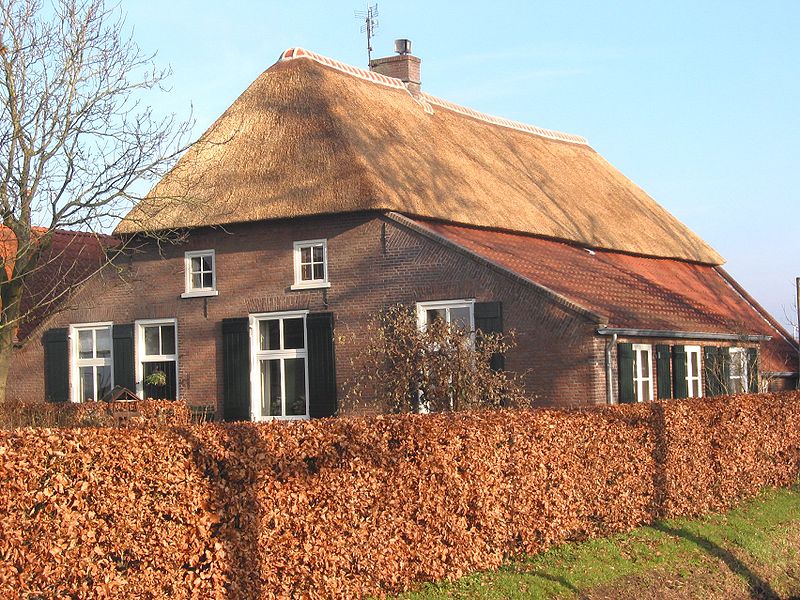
[
  {"x": 641, "y": 379},
  {"x": 423, "y": 307},
  {"x": 745, "y": 376},
  {"x": 299, "y": 284},
  {"x": 74, "y": 367},
  {"x": 193, "y": 292},
  {"x": 256, "y": 355},
  {"x": 140, "y": 357},
  {"x": 692, "y": 378}
]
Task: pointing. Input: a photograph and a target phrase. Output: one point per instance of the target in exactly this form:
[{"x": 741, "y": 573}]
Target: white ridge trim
[{"x": 426, "y": 100}]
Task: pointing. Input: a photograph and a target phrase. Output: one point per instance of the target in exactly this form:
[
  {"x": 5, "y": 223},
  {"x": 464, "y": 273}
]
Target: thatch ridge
[{"x": 308, "y": 138}]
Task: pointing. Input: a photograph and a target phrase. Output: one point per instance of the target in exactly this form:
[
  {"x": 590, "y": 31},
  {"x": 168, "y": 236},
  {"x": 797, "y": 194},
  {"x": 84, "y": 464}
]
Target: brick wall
[{"x": 373, "y": 262}]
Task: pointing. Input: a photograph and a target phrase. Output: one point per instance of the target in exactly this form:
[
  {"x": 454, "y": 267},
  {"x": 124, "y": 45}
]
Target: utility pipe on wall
[{"x": 609, "y": 370}]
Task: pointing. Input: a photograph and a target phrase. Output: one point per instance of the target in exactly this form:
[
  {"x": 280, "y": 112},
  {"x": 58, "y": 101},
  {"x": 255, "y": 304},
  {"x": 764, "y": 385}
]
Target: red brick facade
[{"x": 373, "y": 262}]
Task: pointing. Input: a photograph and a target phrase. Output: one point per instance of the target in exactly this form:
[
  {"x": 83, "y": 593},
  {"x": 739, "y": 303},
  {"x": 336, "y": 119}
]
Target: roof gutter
[{"x": 682, "y": 335}]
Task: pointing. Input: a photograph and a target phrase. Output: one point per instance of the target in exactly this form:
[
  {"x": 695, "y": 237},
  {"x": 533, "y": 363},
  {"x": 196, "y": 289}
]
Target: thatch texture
[{"x": 307, "y": 138}]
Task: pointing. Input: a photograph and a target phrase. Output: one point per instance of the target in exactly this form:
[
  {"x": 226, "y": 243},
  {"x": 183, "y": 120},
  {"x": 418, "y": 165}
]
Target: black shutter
[
  {"x": 712, "y": 371},
  {"x": 236, "y": 369},
  {"x": 625, "y": 373},
  {"x": 56, "y": 365},
  {"x": 752, "y": 370},
  {"x": 489, "y": 319},
  {"x": 321, "y": 365},
  {"x": 724, "y": 362},
  {"x": 123, "y": 357},
  {"x": 679, "y": 372},
  {"x": 663, "y": 372}
]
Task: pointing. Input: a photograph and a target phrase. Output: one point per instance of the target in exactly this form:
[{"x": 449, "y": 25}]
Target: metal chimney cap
[{"x": 402, "y": 46}]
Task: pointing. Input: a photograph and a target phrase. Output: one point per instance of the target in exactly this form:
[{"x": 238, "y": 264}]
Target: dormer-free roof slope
[{"x": 314, "y": 136}]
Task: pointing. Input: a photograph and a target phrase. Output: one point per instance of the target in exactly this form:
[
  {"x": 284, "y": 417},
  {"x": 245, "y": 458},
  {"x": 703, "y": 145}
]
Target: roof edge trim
[
  {"x": 392, "y": 82},
  {"x": 682, "y": 335},
  {"x": 552, "y": 295}
]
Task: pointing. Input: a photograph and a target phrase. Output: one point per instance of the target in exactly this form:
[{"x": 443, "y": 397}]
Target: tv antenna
[{"x": 370, "y": 17}]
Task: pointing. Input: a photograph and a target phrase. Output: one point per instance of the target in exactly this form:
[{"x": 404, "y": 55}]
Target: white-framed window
[
  {"x": 157, "y": 359},
  {"x": 310, "y": 264},
  {"x": 738, "y": 378},
  {"x": 458, "y": 312},
  {"x": 91, "y": 361},
  {"x": 642, "y": 372},
  {"x": 200, "y": 267},
  {"x": 279, "y": 368},
  {"x": 694, "y": 382}
]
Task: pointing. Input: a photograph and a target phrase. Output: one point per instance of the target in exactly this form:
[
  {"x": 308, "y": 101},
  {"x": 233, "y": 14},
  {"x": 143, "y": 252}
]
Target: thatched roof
[{"x": 314, "y": 136}]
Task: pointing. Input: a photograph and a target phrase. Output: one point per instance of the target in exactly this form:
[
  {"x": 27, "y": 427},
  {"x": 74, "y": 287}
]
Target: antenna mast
[{"x": 370, "y": 17}]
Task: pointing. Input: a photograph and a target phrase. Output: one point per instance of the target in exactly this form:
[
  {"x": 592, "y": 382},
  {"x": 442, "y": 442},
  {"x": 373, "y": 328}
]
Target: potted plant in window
[{"x": 156, "y": 379}]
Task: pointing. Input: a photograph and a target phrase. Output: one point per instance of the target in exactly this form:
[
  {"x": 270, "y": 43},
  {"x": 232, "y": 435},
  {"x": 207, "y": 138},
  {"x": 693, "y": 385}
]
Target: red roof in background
[
  {"x": 72, "y": 257},
  {"x": 631, "y": 291}
]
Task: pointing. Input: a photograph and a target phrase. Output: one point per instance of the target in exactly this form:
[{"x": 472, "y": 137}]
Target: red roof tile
[{"x": 630, "y": 291}]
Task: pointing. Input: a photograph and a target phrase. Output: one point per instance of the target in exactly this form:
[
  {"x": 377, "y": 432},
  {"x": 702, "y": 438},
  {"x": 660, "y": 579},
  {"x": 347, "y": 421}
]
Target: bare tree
[
  {"x": 439, "y": 367},
  {"x": 76, "y": 137}
]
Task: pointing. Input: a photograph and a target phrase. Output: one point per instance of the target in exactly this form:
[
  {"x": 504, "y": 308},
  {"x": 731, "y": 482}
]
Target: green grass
[{"x": 748, "y": 540}]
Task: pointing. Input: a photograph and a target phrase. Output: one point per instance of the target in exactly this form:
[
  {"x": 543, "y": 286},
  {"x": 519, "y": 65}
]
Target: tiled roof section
[
  {"x": 426, "y": 99},
  {"x": 72, "y": 257},
  {"x": 631, "y": 291}
]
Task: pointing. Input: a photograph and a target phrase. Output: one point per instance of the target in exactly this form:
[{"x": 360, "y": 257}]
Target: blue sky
[{"x": 696, "y": 102}]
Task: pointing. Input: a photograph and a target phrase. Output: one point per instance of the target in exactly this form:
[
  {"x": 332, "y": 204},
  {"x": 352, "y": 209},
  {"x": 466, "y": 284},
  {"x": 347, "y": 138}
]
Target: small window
[
  {"x": 201, "y": 274},
  {"x": 310, "y": 264},
  {"x": 92, "y": 362},
  {"x": 738, "y": 371},
  {"x": 458, "y": 312},
  {"x": 693, "y": 378},
  {"x": 157, "y": 365},
  {"x": 642, "y": 373}
]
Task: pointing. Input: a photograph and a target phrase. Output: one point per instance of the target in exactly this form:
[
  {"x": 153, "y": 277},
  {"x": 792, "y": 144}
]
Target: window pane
[
  {"x": 169, "y": 390},
  {"x": 103, "y": 338},
  {"x": 305, "y": 273},
  {"x": 270, "y": 334},
  {"x": 695, "y": 358},
  {"x": 271, "y": 388},
  {"x": 433, "y": 314},
  {"x": 319, "y": 271},
  {"x": 86, "y": 384},
  {"x": 293, "y": 333},
  {"x": 318, "y": 253},
  {"x": 197, "y": 280},
  {"x": 460, "y": 317},
  {"x": 208, "y": 263},
  {"x": 103, "y": 381},
  {"x": 208, "y": 280},
  {"x": 197, "y": 264},
  {"x": 305, "y": 254},
  {"x": 645, "y": 364},
  {"x": 151, "y": 346},
  {"x": 85, "y": 344},
  {"x": 168, "y": 339},
  {"x": 646, "y": 391},
  {"x": 295, "y": 371}
]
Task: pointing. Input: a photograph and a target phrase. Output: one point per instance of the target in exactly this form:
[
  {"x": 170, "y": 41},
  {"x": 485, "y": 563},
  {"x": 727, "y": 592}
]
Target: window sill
[
  {"x": 315, "y": 285},
  {"x": 200, "y": 294}
]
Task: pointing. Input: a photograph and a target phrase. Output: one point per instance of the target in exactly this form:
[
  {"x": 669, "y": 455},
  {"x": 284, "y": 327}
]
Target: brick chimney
[{"x": 404, "y": 66}]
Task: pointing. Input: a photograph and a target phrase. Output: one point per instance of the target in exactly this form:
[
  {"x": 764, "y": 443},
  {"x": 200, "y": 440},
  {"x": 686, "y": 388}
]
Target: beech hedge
[{"x": 342, "y": 508}]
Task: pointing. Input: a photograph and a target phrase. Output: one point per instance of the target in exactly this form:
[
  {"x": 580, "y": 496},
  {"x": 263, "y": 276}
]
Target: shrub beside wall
[
  {"x": 146, "y": 413},
  {"x": 345, "y": 507}
]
